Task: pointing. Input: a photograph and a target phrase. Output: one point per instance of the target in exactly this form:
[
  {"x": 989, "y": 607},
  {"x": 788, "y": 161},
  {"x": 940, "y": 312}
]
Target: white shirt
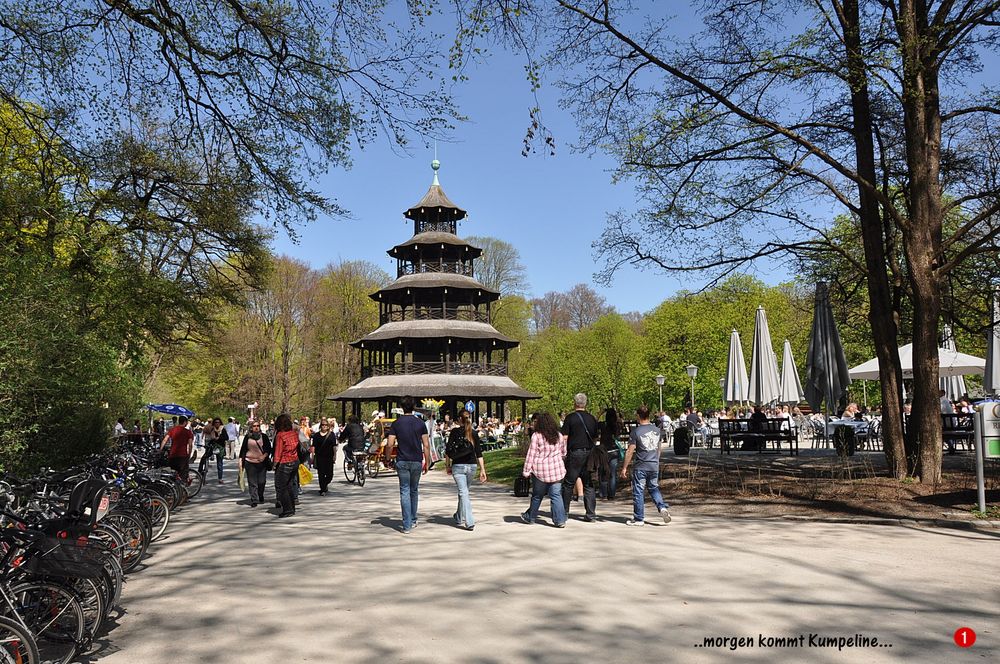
[
  {"x": 119, "y": 429},
  {"x": 233, "y": 430}
]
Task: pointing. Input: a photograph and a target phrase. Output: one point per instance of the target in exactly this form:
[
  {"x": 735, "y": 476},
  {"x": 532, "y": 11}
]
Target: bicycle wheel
[
  {"x": 350, "y": 470},
  {"x": 54, "y": 617},
  {"x": 92, "y": 598},
  {"x": 360, "y": 465},
  {"x": 16, "y": 644},
  {"x": 160, "y": 515},
  {"x": 374, "y": 465},
  {"x": 134, "y": 535},
  {"x": 115, "y": 578},
  {"x": 193, "y": 487},
  {"x": 114, "y": 540}
]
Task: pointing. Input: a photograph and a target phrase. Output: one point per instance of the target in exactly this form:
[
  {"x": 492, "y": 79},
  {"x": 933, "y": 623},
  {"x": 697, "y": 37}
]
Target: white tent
[{"x": 952, "y": 363}]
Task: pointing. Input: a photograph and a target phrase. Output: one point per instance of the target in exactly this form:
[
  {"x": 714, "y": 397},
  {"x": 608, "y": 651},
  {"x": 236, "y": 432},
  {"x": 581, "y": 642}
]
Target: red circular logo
[{"x": 964, "y": 637}]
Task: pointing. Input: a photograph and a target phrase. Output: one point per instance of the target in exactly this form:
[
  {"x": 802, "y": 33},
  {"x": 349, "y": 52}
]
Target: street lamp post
[
  {"x": 692, "y": 371},
  {"x": 660, "y": 379}
]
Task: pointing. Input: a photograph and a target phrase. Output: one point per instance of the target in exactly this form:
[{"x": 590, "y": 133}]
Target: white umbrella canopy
[
  {"x": 765, "y": 385},
  {"x": 953, "y": 386},
  {"x": 952, "y": 363},
  {"x": 735, "y": 388},
  {"x": 791, "y": 386},
  {"x": 991, "y": 379}
]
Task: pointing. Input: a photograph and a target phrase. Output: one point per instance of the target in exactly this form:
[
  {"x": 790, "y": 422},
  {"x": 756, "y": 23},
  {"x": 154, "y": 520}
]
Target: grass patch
[{"x": 502, "y": 466}]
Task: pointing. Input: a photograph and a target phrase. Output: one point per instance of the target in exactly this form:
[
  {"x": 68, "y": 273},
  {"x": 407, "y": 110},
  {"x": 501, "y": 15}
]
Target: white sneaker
[
  {"x": 665, "y": 514},
  {"x": 633, "y": 522}
]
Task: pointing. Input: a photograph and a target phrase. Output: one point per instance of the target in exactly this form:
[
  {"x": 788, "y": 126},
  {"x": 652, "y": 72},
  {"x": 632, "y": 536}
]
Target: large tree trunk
[
  {"x": 880, "y": 314},
  {"x": 922, "y": 125}
]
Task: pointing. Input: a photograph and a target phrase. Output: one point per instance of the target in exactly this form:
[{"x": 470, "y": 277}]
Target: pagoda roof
[
  {"x": 435, "y": 237},
  {"x": 435, "y": 280},
  {"x": 435, "y": 199},
  {"x": 422, "y": 386},
  {"x": 430, "y": 329}
]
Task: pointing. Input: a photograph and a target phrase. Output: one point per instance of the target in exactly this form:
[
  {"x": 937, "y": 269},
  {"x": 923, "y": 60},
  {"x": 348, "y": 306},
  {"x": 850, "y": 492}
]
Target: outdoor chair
[{"x": 819, "y": 434}]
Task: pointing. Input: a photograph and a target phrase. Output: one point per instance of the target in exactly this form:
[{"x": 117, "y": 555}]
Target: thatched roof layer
[
  {"x": 435, "y": 198},
  {"x": 434, "y": 238},
  {"x": 437, "y": 386},
  {"x": 423, "y": 329},
  {"x": 436, "y": 280}
]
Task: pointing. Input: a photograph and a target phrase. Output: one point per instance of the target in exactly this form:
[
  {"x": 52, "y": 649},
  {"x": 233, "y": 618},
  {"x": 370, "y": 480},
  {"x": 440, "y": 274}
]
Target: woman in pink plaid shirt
[{"x": 545, "y": 465}]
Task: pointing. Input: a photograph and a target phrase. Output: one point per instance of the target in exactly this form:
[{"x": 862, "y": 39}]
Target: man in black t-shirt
[{"x": 580, "y": 427}]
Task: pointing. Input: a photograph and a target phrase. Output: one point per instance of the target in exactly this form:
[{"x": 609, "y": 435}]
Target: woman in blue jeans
[
  {"x": 464, "y": 455},
  {"x": 545, "y": 465}
]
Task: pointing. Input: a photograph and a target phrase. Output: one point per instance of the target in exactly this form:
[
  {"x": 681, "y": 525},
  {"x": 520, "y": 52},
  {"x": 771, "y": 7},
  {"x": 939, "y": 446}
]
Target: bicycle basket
[{"x": 70, "y": 558}]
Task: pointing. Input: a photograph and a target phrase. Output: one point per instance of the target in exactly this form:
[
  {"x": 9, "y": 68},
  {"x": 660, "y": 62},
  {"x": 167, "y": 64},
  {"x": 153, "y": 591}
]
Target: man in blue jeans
[
  {"x": 644, "y": 445},
  {"x": 409, "y": 434}
]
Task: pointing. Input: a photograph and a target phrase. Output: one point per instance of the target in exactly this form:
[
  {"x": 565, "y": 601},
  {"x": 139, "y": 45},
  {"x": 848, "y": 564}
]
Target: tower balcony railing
[
  {"x": 434, "y": 313},
  {"x": 449, "y": 368},
  {"x": 434, "y": 267},
  {"x": 436, "y": 226}
]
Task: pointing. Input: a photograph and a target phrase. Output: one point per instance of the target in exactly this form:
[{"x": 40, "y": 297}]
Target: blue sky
[{"x": 551, "y": 208}]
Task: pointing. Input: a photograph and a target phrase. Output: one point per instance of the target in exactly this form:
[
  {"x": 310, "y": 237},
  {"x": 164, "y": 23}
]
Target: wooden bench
[
  {"x": 736, "y": 434},
  {"x": 956, "y": 429}
]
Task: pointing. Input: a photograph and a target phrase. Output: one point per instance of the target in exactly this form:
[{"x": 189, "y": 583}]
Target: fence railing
[
  {"x": 434, "y": 267},
  {"x": 450, "y": 368},
  {"x": 435, "y": 313}
]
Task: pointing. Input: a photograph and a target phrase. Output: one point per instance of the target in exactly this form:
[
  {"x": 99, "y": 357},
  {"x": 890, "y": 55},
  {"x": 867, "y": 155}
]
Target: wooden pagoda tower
[{"x": 435, "y": 337}]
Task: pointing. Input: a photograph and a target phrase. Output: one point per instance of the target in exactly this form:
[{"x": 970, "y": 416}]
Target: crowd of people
[{"x": 570, "y": 456}]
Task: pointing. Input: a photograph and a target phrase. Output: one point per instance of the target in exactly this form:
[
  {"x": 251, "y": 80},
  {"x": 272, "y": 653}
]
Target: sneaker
[
  {"x": 414, "y": 524},
  {"x": 633, "y": 522},
  {"x": 472, "y": 527},
  {"x": 455, "y": 517},
  {"x": 665, "y": 514},
  {"x": 221, "y": 482},
  {"x": 286, "y": 514},
  {"x": 524, "y": 517},
  {"x": 590, "y": 519},
  {"x": 560, "y": 525},
  {"x": 407, "y": 531}
]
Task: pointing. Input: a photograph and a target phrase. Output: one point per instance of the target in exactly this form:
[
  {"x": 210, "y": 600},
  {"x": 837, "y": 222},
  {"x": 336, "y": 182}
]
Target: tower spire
[{"x": 435, "y": 165}]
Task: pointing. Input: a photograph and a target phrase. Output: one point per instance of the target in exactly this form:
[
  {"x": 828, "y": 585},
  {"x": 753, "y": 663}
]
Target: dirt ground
[{"x": 818, "y": 483}]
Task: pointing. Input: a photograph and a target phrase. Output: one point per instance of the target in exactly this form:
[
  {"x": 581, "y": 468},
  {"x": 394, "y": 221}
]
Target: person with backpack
[
  {"x": 464, "y": 454},
  {"x": 644, "y": 443},
  {"x": 580, "y": 429}
]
